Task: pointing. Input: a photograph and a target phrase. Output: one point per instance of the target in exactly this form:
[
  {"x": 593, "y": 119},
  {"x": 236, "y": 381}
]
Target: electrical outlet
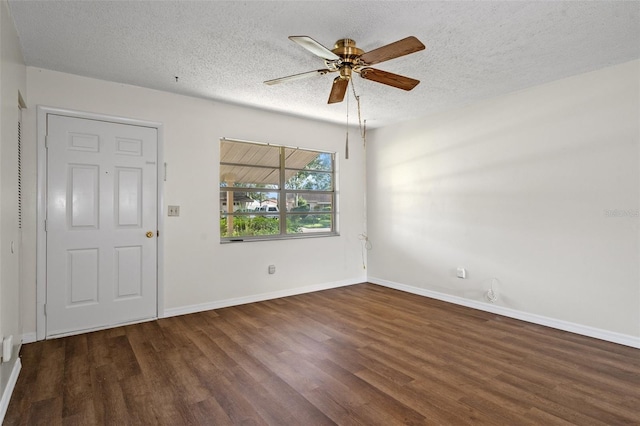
[
  {"x": 174, "y": 211},
  {"x": 7, "y": 348}
]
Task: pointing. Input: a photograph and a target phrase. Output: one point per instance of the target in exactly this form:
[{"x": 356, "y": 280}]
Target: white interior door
[{"x": 101, "y": 224}]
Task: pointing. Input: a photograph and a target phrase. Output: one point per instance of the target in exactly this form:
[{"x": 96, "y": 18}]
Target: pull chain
[
  {"x": 362, "y": 125},
  {"x": 346, "y": 148}
]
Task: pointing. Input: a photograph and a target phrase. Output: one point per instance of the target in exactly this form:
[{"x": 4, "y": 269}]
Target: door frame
[{"x": 41, "y": 214}]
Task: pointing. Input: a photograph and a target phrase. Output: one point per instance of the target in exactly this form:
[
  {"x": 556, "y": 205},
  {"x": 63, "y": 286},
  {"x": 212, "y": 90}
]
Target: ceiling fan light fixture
[{"x": 346, "y": 71}]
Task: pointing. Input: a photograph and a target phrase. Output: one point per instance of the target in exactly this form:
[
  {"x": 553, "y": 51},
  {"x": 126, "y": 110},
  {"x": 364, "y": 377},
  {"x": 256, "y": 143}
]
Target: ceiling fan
[{"x": 346, "y": 59}]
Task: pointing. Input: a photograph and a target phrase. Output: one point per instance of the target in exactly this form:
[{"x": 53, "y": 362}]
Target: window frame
[{"x": 282, "y": 193}]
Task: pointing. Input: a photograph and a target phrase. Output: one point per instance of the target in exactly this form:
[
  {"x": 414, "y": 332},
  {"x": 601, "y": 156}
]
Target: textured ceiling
[{"x": 224, "y": 50}]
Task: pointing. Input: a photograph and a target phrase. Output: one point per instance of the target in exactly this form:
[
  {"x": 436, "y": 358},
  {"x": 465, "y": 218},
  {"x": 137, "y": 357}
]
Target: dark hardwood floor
[{"x": 362, "y": 354}]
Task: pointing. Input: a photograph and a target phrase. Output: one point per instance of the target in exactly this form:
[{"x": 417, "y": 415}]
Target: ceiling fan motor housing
[
  {"x": 349, "y": 54},
  {"x": 347, "y": 50}
]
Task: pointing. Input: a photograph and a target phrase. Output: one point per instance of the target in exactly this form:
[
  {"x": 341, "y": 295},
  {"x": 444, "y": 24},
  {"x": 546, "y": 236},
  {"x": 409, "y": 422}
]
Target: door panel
[
  {"x": 82, "y": 277},
  {"x": 128, "y": 197},
  {"x": 128, "y": 272},
  {"x": 83, "y": 196},
  {"x": 101, "y": 202}
]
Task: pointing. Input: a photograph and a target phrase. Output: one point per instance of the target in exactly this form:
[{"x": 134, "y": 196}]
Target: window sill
[{"x": 279, "y": 238}]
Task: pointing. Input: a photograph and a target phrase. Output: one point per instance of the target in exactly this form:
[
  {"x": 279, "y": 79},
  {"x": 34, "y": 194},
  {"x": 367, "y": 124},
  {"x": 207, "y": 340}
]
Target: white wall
[
  {"x": 12, "y": 81},
  {"x": 519, "y": 188},
  {"x": 198, "y": 270}
]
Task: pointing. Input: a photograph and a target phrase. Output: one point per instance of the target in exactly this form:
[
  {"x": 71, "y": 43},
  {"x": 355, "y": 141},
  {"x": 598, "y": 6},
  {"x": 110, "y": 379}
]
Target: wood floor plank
[
  {"x": 45, "y": 412},
  {"x": 272, "y": 411},
  {"x": 140, "y": 401},
  {"x": 379, "y": 406},
  {"x": 301, "y": 408},
  {"x": 49, "y": 379},
  {"x": 210, "y": 412},
  {"x": 77, "y": 386},
  {"x": 108, "y": 398},
  {"x": 355, "y": 355},
  {"x": 436, "y": 409}
]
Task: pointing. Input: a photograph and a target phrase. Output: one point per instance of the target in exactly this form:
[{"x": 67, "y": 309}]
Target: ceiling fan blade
[
  {"x": 314, "y": 47},
  {"x": 390, "y": 79},
  {"x": 296, "y": 77},
  {"x": 394, "y": 50},
  {"x": 338, "y": 90}
]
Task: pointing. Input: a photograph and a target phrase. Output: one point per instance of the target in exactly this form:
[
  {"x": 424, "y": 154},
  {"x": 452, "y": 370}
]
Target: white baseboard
[
  {"x": 29, "y": 337},
  {"x": 8, "y": 390},
  {"x": 610, "y": 336},
  {"x": 183, "y": 310}
]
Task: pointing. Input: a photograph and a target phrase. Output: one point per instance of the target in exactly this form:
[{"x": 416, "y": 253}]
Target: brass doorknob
[{"x": 150, "y": 234}]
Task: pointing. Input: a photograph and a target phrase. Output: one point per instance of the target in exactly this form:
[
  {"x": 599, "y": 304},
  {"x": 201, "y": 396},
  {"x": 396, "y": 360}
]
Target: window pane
[
  {"x": 301, "y": 202},
  {"x": 248, "y": 226},
  {"x": 249, "y": 153},
  {"x": 249, "y": 176},
  {"x": 249, "y": 202},
  {"x": 310, "y": 180},
  {"x": 309, "y": 223},
  {"x": 308, "y": 160}
]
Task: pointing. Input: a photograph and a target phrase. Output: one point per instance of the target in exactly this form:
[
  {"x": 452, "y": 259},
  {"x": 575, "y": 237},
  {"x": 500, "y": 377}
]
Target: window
[{"x": 270, "y": 191}]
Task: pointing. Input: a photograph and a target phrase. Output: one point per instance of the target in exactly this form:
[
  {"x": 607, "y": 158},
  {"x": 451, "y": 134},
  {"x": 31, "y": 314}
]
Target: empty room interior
[{"x": 320, "y": 212}]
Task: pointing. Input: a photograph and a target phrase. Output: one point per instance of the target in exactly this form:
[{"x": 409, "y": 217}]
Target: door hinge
[
  {"x": 46, "y": 142},
  {"x": 45, "y": 225},
  {"x": 44, "y": 307}
]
